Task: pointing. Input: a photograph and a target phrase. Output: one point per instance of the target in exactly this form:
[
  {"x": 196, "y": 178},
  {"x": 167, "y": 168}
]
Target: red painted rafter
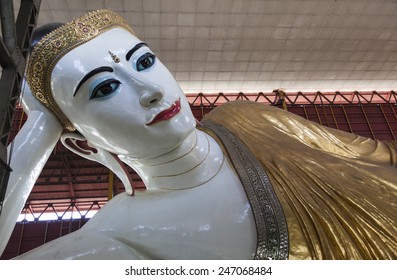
[{"x": 296, "y": 98}]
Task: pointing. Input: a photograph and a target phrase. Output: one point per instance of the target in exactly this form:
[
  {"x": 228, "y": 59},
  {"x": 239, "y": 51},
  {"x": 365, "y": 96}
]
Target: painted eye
[
  {"x": 145, "y": 61},
  {"x": 105, "y": 88}
]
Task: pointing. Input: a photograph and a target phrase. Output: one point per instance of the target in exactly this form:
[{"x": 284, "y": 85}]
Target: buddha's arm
[
  {"x": 29, "y": 152},
  {"x": 341, "y": 143},
  {"x": 258, "y": 122}
]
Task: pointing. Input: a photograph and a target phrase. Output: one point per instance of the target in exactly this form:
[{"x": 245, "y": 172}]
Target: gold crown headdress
[{"x": 52, "y": 47}]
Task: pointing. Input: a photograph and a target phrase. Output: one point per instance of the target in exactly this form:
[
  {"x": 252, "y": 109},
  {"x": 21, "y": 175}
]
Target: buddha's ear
[{"x": 78, "y": 144}]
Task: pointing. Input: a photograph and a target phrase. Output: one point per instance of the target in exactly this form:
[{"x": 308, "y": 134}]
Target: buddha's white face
[{"x": 132, "y": 107}]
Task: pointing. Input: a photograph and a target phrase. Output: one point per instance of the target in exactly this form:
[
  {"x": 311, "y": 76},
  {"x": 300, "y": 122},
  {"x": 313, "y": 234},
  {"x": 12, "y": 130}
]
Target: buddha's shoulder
[{"x": 243, "y": 108}]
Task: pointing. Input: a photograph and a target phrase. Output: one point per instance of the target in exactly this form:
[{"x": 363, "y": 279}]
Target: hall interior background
[{"x": 333, "y": 62}]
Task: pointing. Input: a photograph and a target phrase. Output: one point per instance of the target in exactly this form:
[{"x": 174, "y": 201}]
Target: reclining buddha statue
[{"x": 250, "y": 182}]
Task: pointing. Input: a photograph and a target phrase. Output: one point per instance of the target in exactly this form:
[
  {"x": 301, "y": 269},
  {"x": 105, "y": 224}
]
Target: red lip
[{"x": 167, "y": 114}]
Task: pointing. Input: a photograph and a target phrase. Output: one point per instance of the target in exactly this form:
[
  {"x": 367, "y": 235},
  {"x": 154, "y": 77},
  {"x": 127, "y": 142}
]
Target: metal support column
[{"x": 14, "y": 47}]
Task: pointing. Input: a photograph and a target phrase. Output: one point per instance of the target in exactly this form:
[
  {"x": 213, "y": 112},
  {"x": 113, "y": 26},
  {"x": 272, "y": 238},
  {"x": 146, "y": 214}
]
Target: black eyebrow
[
  {"x": 92, "y": 73},
  {"x": 134, "y": 49}
]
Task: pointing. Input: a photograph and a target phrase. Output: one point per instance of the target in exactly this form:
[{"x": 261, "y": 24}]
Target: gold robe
[{"x": 338, "y": 191}]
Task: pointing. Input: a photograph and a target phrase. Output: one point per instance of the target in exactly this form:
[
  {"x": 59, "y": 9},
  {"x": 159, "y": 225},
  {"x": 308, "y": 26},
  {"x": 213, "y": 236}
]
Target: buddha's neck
[{"x": 196, "y": 161}]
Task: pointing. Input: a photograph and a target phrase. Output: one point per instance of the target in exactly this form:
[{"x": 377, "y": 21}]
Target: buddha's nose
[{"x": 151, "y": 97}]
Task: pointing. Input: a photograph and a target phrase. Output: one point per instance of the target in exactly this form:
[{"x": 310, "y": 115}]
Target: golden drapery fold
[{"x": 338, "y": 190}]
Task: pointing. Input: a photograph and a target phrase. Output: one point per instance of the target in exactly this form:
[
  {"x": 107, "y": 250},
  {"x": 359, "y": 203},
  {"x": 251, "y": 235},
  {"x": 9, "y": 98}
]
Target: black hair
[{"x": 43, "y": 30}]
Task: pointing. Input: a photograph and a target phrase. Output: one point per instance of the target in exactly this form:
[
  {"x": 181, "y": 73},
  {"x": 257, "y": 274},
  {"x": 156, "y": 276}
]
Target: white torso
[{"x": 208, "y": 217}]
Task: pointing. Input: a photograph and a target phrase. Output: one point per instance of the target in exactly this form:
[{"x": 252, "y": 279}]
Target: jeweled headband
[{"x": 59, "y": 42}]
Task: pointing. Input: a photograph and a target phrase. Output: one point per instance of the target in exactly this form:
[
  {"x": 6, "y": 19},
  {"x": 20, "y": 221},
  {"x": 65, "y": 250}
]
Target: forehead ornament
[
  {"x": 114, "y": 57},
  {"x": 59, "y": 42}
]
